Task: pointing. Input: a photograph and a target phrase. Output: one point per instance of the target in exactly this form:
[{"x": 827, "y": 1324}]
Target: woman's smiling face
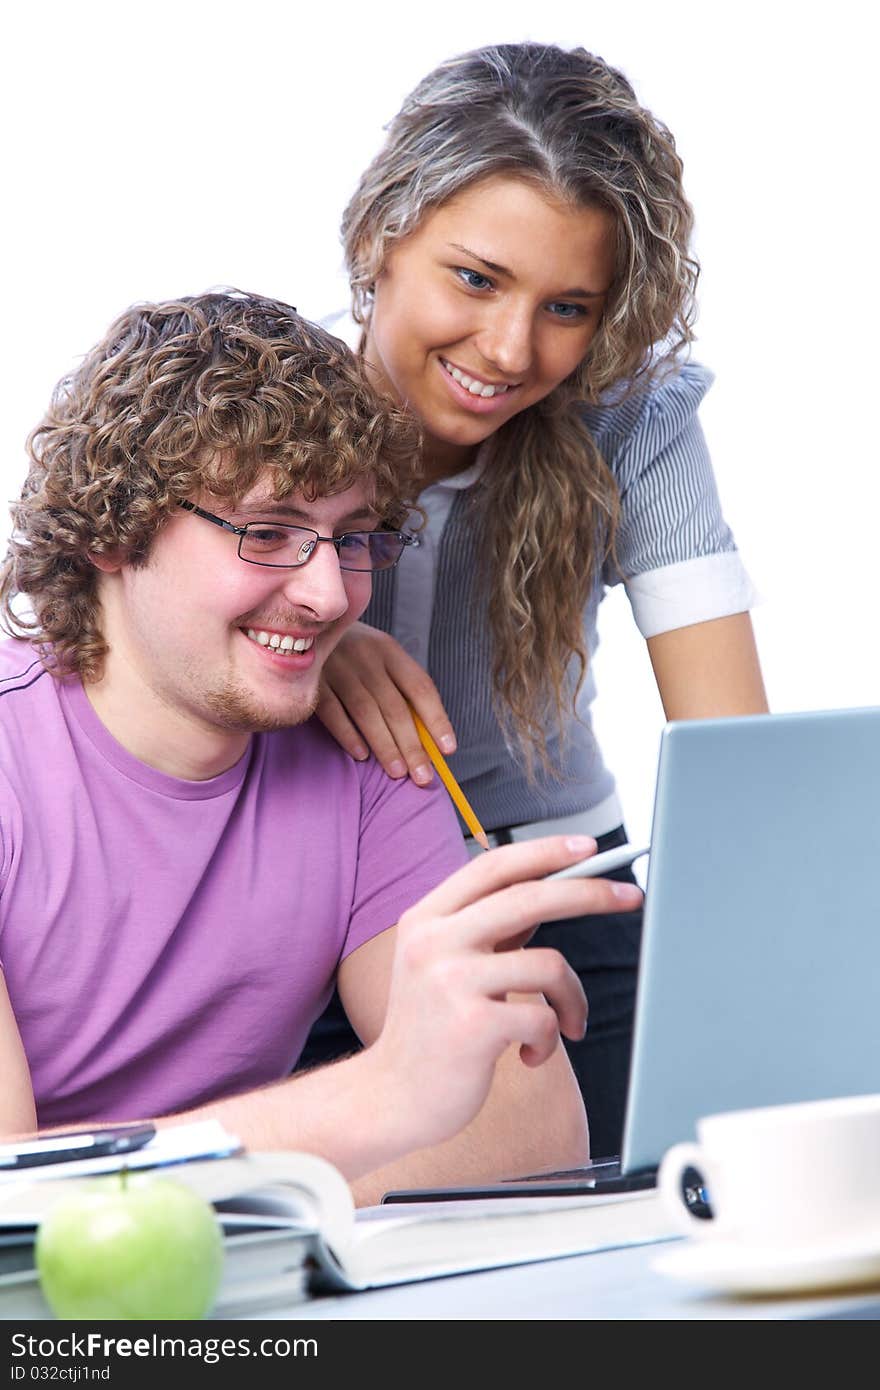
[{"x": 486, "y": 308}]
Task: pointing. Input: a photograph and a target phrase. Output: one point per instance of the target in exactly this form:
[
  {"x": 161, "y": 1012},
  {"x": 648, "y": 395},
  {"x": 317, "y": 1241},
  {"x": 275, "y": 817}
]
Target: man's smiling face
[{"x": 229, "y": 645}]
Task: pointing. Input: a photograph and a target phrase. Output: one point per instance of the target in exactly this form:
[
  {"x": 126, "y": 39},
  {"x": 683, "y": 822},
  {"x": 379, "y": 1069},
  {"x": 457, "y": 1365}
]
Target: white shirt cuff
[{"x": 691, "y": 591}]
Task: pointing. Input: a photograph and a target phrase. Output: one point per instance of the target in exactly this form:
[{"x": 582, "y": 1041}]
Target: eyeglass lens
[{"x": 291, "y": 545}]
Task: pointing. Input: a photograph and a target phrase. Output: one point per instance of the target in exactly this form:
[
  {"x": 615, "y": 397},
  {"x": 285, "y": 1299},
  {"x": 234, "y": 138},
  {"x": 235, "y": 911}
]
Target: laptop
[{"x": 759, "y": 977}]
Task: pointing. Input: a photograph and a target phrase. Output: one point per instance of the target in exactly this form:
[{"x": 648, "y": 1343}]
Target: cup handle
[{"x": 673, "y": 1166}]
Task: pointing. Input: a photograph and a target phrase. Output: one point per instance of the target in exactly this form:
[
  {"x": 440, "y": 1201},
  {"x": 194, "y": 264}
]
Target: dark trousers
[{"x": 604, "y": 951}]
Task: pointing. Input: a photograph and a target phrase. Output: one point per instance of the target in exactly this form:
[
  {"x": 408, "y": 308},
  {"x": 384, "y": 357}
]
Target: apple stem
[{"x": 123, "y": 1176}]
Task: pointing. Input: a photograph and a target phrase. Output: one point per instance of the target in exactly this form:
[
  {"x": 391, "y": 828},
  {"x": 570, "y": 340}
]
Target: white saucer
[{"x": 732, "y": 1267}]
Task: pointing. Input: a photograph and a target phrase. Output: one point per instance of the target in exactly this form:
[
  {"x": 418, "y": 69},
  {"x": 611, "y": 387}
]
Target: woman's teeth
[
  {"x": 280, "y": 642},
  {"x": 476, "y": 388}
]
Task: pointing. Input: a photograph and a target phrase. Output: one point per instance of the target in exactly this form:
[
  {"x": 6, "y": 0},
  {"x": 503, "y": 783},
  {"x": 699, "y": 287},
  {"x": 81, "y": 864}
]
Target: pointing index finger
[{"x": 499, "y": 868}]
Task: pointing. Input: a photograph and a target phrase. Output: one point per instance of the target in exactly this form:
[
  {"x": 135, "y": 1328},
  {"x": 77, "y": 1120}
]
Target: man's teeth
[
  {"x": 279, "y": 642},
  {"x": 476, "y": 388}
]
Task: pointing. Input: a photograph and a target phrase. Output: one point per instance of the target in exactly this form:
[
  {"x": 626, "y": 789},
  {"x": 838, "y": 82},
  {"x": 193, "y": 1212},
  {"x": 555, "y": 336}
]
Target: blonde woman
[{"x": 522, "y": 281}]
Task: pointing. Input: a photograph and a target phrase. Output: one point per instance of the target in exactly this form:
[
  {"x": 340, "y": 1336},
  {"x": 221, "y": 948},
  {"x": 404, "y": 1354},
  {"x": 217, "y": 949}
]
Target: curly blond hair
[
  {"x": 198, "y": 395},
  {"x": 571, "y": 126}
]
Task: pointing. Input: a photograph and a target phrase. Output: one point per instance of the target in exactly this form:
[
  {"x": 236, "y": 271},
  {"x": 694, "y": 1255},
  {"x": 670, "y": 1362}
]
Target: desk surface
[{"x": 613, "y": 1284}]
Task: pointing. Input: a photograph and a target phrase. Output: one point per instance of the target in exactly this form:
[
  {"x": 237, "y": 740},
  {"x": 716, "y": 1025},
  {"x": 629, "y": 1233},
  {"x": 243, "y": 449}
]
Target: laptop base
[{"x": 602, "y": 1178}]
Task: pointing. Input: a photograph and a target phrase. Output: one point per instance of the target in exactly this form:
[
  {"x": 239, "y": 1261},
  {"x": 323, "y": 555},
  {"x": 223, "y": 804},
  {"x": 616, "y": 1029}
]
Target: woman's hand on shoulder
[{"x": 367, "y": 685}]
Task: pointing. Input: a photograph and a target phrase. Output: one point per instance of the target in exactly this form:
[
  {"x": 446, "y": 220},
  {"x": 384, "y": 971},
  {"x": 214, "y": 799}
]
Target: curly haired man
[{"x": 189, "y": 863}]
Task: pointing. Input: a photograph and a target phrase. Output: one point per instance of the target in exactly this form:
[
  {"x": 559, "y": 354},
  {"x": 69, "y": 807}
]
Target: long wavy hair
[
  {"x": 199, "y": 395},
  {"x": 569, "y": 125}
]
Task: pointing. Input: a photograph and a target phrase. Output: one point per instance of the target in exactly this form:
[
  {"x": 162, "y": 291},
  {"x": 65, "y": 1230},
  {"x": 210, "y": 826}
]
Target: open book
[{"x": 292, "y": 1230}]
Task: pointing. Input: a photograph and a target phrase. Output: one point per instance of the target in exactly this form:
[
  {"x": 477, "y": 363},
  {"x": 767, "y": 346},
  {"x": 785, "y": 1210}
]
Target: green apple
[{"x": 130, "y": 1246}]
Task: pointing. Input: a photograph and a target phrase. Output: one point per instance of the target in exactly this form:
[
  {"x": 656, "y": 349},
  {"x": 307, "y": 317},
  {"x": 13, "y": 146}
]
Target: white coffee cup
[{"x": 783, "y": 1176}]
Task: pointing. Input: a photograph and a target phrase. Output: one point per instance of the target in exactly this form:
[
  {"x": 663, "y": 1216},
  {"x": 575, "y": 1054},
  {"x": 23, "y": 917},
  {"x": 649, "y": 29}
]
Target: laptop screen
[{"x": 760, "y": 968}]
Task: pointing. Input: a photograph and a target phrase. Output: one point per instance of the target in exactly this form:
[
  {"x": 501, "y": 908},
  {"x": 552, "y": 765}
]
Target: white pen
[{"x": 604, "y": 863}]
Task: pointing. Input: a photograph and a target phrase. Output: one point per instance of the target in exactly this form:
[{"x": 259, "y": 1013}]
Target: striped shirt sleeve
[{"x": 676, "y": 555}]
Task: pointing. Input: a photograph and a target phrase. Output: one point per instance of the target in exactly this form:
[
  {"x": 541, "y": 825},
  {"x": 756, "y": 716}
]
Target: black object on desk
[
  {"x": 601, "y": 1179},
  {"x": 67, "y": 1148}
]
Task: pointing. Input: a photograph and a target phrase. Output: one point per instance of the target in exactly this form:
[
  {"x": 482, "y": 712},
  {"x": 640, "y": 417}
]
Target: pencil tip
[{"x": 482, "y": 840}]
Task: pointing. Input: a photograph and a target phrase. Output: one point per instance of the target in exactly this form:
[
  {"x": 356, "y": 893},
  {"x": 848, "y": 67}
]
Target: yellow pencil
[{"x": 449, "y": 782}]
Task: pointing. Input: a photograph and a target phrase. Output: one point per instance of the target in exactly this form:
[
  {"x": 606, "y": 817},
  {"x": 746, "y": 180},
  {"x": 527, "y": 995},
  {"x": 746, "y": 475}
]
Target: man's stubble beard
[{"x": 235, "y": 707}]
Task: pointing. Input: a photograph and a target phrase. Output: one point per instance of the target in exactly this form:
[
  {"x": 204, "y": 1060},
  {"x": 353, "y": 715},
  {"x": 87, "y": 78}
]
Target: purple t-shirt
[{"x": 166, "y": 942}]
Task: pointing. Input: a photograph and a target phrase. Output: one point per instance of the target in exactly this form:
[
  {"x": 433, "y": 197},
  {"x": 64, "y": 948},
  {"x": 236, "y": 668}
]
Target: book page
[
  {"x": 435, "y": 1238},
  {"x": 304, "y": 1188},
  {"x": 281, "y": 1188}
]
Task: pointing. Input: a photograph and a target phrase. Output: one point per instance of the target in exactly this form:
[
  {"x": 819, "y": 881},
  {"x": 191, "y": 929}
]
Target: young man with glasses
[{"x": 188, "y": 862}]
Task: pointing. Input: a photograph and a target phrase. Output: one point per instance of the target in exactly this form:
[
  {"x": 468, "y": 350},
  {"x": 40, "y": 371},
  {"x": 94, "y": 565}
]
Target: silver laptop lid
[{"x": 760, "y": 970}]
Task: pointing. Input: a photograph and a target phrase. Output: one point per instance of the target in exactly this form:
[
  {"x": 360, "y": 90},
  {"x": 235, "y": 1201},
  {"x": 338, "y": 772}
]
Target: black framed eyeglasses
[{"x": 278, "y": 545}]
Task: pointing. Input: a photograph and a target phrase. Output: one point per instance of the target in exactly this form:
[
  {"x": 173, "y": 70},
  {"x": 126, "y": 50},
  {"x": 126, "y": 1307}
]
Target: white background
[{"x": 161, "y": 151}]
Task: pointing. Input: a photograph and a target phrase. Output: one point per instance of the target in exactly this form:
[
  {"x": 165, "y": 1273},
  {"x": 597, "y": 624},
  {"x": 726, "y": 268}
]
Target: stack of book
[{"x": 291, "y": 1230}]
